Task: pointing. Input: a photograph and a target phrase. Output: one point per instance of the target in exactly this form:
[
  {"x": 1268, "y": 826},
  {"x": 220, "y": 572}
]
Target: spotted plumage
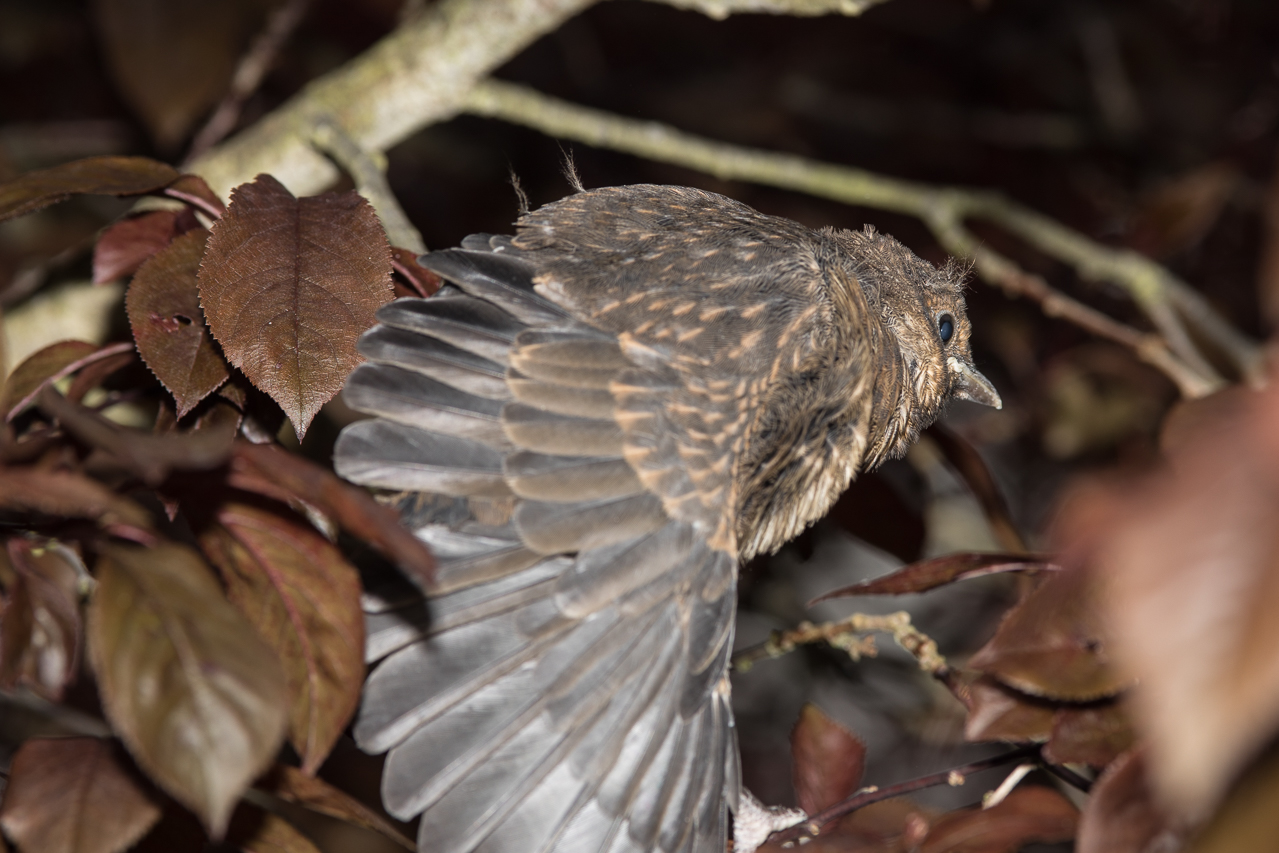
[{"x": 592, "y": 424}]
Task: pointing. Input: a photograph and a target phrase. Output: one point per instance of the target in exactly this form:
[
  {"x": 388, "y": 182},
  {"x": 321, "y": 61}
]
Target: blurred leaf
[
  {"x": 874, "y": 511},
  {"x": 163, "y": 304},
  {"x": 119, "y": 176},
  {"x": 288, "y": 286},
  {"x": 40, "y": 627},
  {"x": 303, "y": 598},
  {"x": 65, "y": 493},
  {"x": 194, "y": 190},
  {"x": 47, "y": 365},
  {"x": 71, "y": 795},
  {"x": 423, "y": 281},
  {"x": 1187, "y": 563},
  {"x": 1095, "y": 735},
  {"x": 125, "y": 245},
  {"x": 1247, "y": 820},
  {"x": 173, "y": 59},
  {"x": 1029, "y": 814},
  {"x": 939, "y": 571},
  {"x": 291, "y": 784},
  {"x": 254, "y": 830},
  {"x": 1180, "y": 213},
  {"x": 196, "y": 695},
  {"x": 98, "y": 367},
  {"x": 1121, "y": 815},
  {"x": 1051, "y": 644},
  {"x": 999, "y": 713},
  {"x": 968, "y": 463},
  {"x": 268, "y": 470},
  {"x": 827, "y": 760},
  {"x": 149, "y": 457}
]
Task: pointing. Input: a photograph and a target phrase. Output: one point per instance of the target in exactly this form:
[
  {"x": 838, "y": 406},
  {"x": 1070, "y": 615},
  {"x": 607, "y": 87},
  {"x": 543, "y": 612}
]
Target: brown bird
[{"x": 592, "y": 424}]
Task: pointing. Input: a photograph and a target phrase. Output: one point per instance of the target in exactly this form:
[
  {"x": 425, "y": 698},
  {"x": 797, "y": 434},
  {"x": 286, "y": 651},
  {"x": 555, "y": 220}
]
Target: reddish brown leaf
[
  {"x": 256, "y": 831},
  {"x": 1094, "y": 735},
  {"x": 40, "y": 628},
  {"x": 173, "y": 59},
  {"x": 1179, "y": 214},
  {"x": 291, "y": 784},
  {"x": 120, "y": 176},
  {"x": 999, "y": 713},
  {"x": 303, "y": 598},
  {"x": 186, "y": 682},
  {"x": 1029, "y": 814},
  {"x": 965, "y": 459},
  {"x": 1247, "y": 819},
  {"x": 1051, "y": 644},
  {"x": 97, "y": 368},
  {"x": 48, "y": 365},
  {"x": 125, "y": 245},
  {"x": 423, "y": 281},
  {"x": 288, "y": 286},
  {"x": 149, "y": 457},
  {"x": 164, "y": 310},
  {"x": 1121, "y": 815},
  {"x": 72, "y": 795},
  {"x": 939, "y": 571},
  {"x": 827, "y": 760},
  {"x": 268, "y": 470},
  {"x": 65, "y": 493},
  {"x": 193, "y": 190}
]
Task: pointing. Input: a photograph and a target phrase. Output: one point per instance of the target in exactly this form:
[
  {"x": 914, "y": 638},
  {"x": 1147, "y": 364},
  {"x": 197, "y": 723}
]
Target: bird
[{"x": 592, "y": 424}]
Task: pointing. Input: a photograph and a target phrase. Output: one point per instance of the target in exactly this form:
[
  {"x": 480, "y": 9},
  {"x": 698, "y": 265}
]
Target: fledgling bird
[{"x": 592, "y": 424}]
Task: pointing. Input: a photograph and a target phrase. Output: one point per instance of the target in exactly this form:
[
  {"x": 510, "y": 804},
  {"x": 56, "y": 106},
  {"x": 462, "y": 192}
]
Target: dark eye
[{"x": 946, "y": 327}]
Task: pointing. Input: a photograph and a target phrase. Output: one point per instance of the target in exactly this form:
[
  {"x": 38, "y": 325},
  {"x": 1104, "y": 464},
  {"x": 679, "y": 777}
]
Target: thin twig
[
  {"x": 249, "y": 74},
  {"x": 845, "y": 635},
  {"x": 371, "y": 182},
  {"x": 814, "y": 825}
]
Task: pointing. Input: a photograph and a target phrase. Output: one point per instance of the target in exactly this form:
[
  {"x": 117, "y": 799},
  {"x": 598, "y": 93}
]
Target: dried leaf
[
  {"x": 1095, "y": 735},
  {"x": 97, "y": 368},
  {"x": 65, "y": 493},
  {"x": 49, "y": 364},
  {"x": 194, "y": 190},
  {"x": 291, "y": 784},
  {"x": 163, "y": 304},
  {"x": 1051, "y": 644},
  {"x": 268, "y": 470},
  {"x": 1121, "y": 815},
  {"x": 423, "y": 281},
  {"x": 999, "y": 713},
  {"x": 124, "y": 246},
  {"x": 256, "y": 831},
  {"x": 172, "y": 59},
  {"x": 1181, "y": 213},
  {"x": 40, "y": 629},
  {"x": 1029, "y": 814},
  {"x": 288, "y": 285},
  {"x": 303, "y": 598},
  {"x": 827, "y": 760},
  {"x": 967, "y": 462},
  {"x": 1247, "y": 820},
  {"x": 119, "y": 176},
  {"x": 73, "y": 795},
  {"x": 939, "y": 571},
  {"x": 872, "y": 510},
  {"x": 192, "y": 690}
]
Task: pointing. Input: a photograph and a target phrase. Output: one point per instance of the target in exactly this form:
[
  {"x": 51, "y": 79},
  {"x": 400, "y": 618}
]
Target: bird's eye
[{"x": 946, "y": 327}]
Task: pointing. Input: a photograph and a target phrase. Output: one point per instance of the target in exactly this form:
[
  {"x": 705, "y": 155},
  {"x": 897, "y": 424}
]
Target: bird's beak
[{"x": 971, "y": 385}]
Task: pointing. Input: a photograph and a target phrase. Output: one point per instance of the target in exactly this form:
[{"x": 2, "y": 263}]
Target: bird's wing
[{"x": 565, "y": 688}]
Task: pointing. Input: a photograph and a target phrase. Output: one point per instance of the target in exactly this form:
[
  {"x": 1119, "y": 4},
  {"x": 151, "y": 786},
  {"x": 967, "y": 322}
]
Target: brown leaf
[
  {"x": 97, "y": 368},
  {"x": 1179, "y": 214},
  {"x": 291, "y": 784},
  {"x": 73, "y": 795},
  {"x": 1029, "y": 814},
  {"x": 269, "y": 470},
  {"x": 40, "y": 628},
  {"x": 1189, "y": 565},
  {"x": 194, "y": 190},
  {"x": 939, "y": 571},
  {"x": 186, "y": 682},
  {"x": 965, "y": 459},
  {"x": 173, "y": 59},
  {"x": 827, "y": 760},
  {"x": 1121, "y": 815},
  {"x": 1247, "y": 819},
  {"x": 423, "y": 281},
  {"x": 288, "y": 285},
  {"x": 119, "y": 176},
  {"x": 163, "y": 304},
  {"x": 1094, "y": 735},
  {"x": 147, "y": 456},
  {"x": 256, "y": 831},
  {"x": 1051, "y": 644},
  {"x": 303, "y": 598},
  {"x": 65, "y": 493},
  {"x": 47, "y": 365},
  {"x": 999, "y": 713},
  {"x": 124, "y": 246}
]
